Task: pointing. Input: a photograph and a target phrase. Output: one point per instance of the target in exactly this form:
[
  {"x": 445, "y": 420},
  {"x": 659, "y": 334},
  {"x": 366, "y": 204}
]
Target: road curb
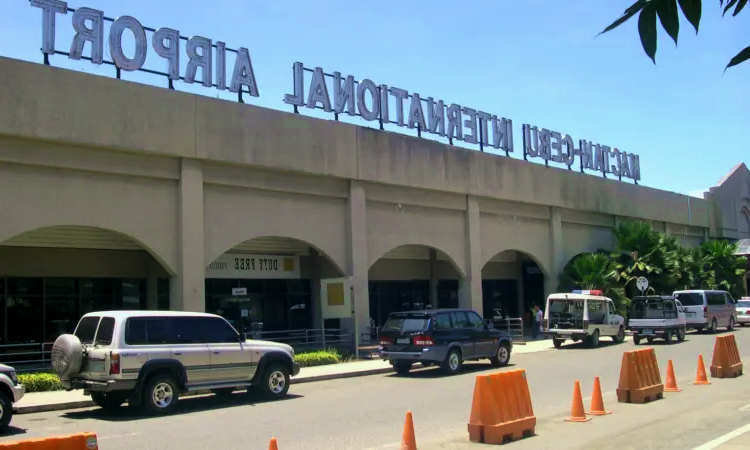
[{"x": 89, "y": 403}]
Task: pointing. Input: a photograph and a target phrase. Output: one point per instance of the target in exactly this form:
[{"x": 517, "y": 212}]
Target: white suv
[
  {"x": 11, "y": 391},
  {"x": 149, "y": 358}
]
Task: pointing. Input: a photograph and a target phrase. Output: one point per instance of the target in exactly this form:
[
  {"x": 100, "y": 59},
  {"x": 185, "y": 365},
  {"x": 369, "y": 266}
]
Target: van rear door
[{"x": 693, "y": 303}]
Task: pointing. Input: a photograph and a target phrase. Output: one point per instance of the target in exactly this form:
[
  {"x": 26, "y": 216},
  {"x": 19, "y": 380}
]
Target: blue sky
[{"x": 533, "y": 61}]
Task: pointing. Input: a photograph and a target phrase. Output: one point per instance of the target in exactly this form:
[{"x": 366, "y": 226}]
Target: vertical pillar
[
  {"x": 315, "y": 310},
  {"x": 433, "y": 279},
  {"x": 152, "y": 285},
  {"x": 521, "y": 295},
  {"x": 470, "y": 290},
  {"x": 358, "y": 259},
  {"x": 667, "y": 231},
  {"x": 187, "y": 288},
  {"x": 557, "y": 253}
]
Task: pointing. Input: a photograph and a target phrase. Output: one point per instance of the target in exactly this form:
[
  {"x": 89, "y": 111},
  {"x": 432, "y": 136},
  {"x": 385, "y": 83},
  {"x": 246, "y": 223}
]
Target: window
[
  {"x": 105, "y": 332},
  {"x": 743, "y": 304},
  {"x": 476, "y": 322},
  {"x": 146, "y": 331},
  {"x": 690, "y": 298},
  {"x": 184, "y": 330},
  {"x": 162, "y": 288},
  {"x": 716, "y": 298},
  {"x": 24, "y": 310},
  {"x": 460, "y": 320},
  {"x": 730, "y": 299},
  {"x": 217, "y": 331},
  {"x": 86, "y": 329},
  {"x": 406, "y": 323},
  {"x": 442, "y": 322},
  {"x": 596, "y": 312}
]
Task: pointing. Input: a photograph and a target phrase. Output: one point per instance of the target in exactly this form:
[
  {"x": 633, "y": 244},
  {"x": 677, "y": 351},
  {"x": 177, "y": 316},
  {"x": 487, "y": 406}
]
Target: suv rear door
[
  {"x": 464, "y": 333},
  {"x": 693, "y": 303},
  {"x": 400, "y": 330},
  {"x": 186, "y": 345}
]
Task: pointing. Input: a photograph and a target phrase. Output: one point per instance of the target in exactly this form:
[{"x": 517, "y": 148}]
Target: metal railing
[
  {"x": 513, "y": 326},
  {"x": 309, "y": 339},
  {"x": 27, "y": 357}
]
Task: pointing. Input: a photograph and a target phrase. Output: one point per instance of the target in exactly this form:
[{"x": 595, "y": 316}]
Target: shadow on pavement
[
  {"x": 583, "y": 346},
  {"x": 12, "y": 431},
  {"x": 185, "y": 405},
  {"x": 421, "y": 373}
]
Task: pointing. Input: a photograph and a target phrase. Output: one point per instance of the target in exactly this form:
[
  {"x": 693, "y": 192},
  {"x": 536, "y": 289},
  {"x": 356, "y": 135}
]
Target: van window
[
  {"x": 86, "y": 329},
  {"x": 690, "y": 298},
  {"x": 716, "y": 298}
]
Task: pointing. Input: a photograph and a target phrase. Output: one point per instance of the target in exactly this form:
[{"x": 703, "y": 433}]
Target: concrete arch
[
  {"x": 538, "y": 261},
  {"x": 305, "y": 240},
  {"x": 375, "y": 256},
  {"x": 18, "y": 230}
]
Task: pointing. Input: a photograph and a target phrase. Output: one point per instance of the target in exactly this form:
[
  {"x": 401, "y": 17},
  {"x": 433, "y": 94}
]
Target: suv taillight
[
  {"x": 114, "y": 364},
  {"x": 422, "y": 340},
  {"x": 385, "y": 341},
  {"x": 705, "y": 311},
  {"x": 585, "y": 324}
]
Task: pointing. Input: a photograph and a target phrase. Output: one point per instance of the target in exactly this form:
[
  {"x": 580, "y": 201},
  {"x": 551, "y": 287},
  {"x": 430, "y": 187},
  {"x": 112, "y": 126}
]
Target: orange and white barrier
[
  {"x": 726, "y": 362},
  {"x": 78, "y": 441},
  {"x": 640, "y": 379}
]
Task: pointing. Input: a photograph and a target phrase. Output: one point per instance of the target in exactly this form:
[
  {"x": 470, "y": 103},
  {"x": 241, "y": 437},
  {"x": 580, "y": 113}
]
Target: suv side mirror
[{"x": 243, "y": 338}]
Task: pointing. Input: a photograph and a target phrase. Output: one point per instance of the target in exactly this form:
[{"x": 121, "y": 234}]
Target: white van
[
  {"x": 708, "y": 309},
  {"x": 582, "y": 316}
]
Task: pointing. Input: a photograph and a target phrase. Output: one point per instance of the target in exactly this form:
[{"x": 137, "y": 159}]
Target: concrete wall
[
  {"x": 190, "y": 177},
  {"x": 731, "y": 202}
]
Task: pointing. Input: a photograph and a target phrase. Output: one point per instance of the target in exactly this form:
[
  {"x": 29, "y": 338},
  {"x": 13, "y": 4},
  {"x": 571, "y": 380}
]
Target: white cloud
[{"x": 697, "y": 193}]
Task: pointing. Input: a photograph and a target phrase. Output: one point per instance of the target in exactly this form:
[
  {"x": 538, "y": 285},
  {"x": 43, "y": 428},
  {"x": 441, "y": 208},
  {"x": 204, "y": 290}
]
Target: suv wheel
[
  {"x": 275, "y": 382},
  {"x": 557, "y": 342},
  {"x": 402, "y": 367},
  {"x": 160, "y": 396},
  {"x": 620, "y": 335},
  {"x": 6, "y": 412},
  {"x": 668, "y": 337},
  {"x": 453, "y": 362},
  {"x": 730, "y": 327},
  {"x": 109, "y": 400},
  {"x": 681, "y": 335},
  {"x": 593, "y": 340},
  {"x": 502, "y": 356}
]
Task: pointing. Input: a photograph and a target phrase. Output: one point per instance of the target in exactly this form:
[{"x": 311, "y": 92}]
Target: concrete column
[
  {"x": 519, "y": 278},
  {"x": 470, "y": 288},
  {"x": 358, "y": 258},
  {"x": 557, "y": 252},
  {"x": 433, "y": 279},
  {"x": 152, "y": 285},
  {"x": 316, "y": 307},
  {"x": 667, "y": 232},
  {"x": 706, "y": 234},
  {"x": 187, "y": 289}
]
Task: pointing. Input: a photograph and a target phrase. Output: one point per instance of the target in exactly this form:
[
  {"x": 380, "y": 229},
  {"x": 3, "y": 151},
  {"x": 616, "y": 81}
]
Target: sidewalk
[{"x": 60, "y": 400}]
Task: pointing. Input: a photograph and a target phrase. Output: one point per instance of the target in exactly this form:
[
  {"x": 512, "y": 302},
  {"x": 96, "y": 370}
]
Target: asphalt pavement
[{"x": 368, "y": 413}]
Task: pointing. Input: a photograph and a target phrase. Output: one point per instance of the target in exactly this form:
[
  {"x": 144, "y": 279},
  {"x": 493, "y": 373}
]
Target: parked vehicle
[
  {"x": 657, "y": 316},
  {"x": 708, "y": 310},
  {"x": 743, "y": 311},
  {"x": 11, "y": 391},
  {"x": 582, "y": 316},
  {"x": 446, "y": 337},
  {"x": 149, "y": 358}
]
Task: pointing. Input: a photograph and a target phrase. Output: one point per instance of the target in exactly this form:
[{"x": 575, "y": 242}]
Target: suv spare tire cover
[{"x": 67, "y": 356}]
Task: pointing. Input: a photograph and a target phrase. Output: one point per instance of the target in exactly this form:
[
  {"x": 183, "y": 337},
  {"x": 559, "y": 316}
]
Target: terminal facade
[{"x": 125, "y": 196}]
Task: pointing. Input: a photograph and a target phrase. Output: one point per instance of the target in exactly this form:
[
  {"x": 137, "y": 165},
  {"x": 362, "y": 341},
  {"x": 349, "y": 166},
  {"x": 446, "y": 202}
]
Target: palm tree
[
  {"x": 642, "y": 252},
  {"x": 723, "y": 267},
  {"x": 595, "y": 271}
]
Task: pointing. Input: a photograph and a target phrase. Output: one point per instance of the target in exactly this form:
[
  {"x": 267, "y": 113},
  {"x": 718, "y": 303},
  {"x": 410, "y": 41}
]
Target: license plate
[
  {"x": 96, "y": 366},
  {"x": 690, "y": 314},
  {"x": 647, "y": 332},
  {"x": 402, "y": 341}
]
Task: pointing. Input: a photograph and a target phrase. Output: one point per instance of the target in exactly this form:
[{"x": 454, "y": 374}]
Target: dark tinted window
[
  {"x": 218, "y": 331},
  {"x": 716, "y": 298},
  {"x": 146, "y": 331},
  {"x": 730, "y": 299},
  {"x": 743, "y": 304},
  {"x": 105, "y": 331},
  {"x": 406, "y": 323},
  {"x": 460, "y": 320},
  {"x": 184, "y": 330},
  {"x": 476, "y": 321},
  {"x": 690, "y": 299},
  {"x": 442, "y": 322},
  {"x": 86, "y": 329}
]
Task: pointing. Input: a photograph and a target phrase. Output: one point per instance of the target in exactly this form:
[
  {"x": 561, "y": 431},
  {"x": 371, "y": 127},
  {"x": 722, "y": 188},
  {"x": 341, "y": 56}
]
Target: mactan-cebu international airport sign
[{"x": 364, "y": 98}]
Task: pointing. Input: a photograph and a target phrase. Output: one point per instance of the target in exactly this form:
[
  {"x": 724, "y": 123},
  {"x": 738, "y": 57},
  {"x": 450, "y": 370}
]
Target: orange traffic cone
[
  {"x": 273, "y": 445},
  {"x": 671, "y": 385},
  {"x": 576, "y": 411},
  {"x": 597, "y": 402},
  {"x": 700, "y": 377},
  {"x": 408, "y": 441}
]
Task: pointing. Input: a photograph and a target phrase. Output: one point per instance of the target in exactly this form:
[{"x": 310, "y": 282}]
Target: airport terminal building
[{"x": 161, "y": 199}]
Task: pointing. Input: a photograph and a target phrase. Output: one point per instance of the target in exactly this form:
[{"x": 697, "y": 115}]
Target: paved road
[{"x": 367, "y": 413}]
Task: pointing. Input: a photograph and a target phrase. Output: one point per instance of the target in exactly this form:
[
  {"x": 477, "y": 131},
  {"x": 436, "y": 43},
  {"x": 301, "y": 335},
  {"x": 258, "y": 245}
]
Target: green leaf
[
  {"x": 729, "y": 5},
  {"x": 630, "y": 12},
  {"x": 692, "y": 10},
  {"x": 667, "y": 11},
  {"x": 647, "y": 31},
  {"x": 739, "y": 58},
  {"x": 739, "y": 7}
]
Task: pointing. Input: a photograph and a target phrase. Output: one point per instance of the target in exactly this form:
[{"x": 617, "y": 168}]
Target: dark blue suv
[{"x": 446, "y": 337}]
